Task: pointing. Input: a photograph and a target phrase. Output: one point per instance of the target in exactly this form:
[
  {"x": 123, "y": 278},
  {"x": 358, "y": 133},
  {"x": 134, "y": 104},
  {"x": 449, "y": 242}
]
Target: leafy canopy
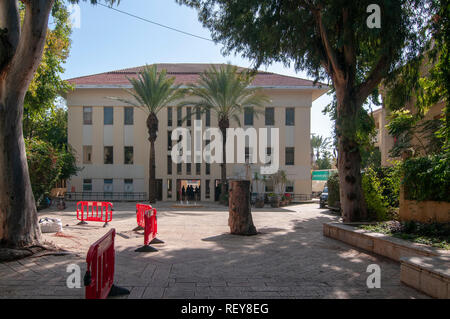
[
  {"x": 153, "y": 90},
  {"x": 226, "y": 92}
]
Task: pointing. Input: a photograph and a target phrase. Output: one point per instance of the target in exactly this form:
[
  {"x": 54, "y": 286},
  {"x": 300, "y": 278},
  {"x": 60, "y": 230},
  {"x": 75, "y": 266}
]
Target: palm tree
[
  {"x": 318, "y": 144},
  {"x": 153, "y": 91},
  {"x": 226, "y": 93}
]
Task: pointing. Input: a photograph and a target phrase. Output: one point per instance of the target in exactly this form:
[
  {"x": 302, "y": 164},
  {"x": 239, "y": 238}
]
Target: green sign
[{"x": 320, "y": 175}]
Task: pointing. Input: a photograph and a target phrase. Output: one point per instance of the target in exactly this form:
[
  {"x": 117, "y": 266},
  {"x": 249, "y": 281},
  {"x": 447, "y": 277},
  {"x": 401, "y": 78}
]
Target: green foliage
[
  {"x": 47, "y": 83},
  {"x": 390, "y": 182},
  {"x": 153, "y": 90},
  {"x": 376, "y": 203},
  {"x": 427, "y": 178},
  {"x": 433, "y": 234},
  {"x": 226, "y": 92},
  {"x": 43, "y": 166},
  {"x": 405, "y": 126},
  {"x": 371, "y": 157},
  {"x": 333, "y": 190},
  {"x": 47, "y": 165}
]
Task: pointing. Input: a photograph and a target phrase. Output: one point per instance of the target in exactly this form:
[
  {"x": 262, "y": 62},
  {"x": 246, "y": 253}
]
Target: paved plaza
[{"x": 290, "y": 258}]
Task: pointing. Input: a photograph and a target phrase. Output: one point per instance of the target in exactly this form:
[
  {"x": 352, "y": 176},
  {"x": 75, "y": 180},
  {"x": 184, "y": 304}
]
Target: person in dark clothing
[
  {"x": 197, "y": 194},
  {"x": 183, "y": 193}
]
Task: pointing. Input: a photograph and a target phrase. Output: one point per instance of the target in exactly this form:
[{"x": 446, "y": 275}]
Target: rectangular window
[
  {"x": 179, "y": 116},
  {"x": 87, "y": 154},
  {"x": 108, "y": 154},
  {"x": 188, "y": 168},
  {"x": 290, "y": 116},
  {"x": 248, "y": 116},
  {"x": 128, "y": 155},
  {"x": 198, "y": 114},
  {"x": 207, "y": 191},
  {"x": 169, "y": 140},
  {"x": 269, "y": 155},
  {"x": 247, "y": 154},
  {"x": 179, "y": 168},
  {"x": 169, "y": 188},
  {"x": 208, "y": 118},
  {"x": 108, "y": 116},
  {"x": 128, "y": 185},
  {"x": 198, "y": 169},
  {"x": 289, "y": 187},
  {"x": 270, "y": 116},
  {"x": 169, "y": 116},
  {"x": 289, "y": 156},
  {"x": 87, "y": 185},
  {"x": 87, "y": 115},
  {"x": 128, "y": 116},
  {"x": 107, "y": 185},
  {"x": 188, "y": 116},
  {"x": 207, "y": 169},
  {"x": 169, "y": 165}
]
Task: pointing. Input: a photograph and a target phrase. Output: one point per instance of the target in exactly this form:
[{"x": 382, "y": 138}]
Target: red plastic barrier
[
  {"x": 94, "y": 212},
  {"x": 140, "y": 212},
  {"x": 100, "y": 258},
  {"x": 150, "y": 227}
]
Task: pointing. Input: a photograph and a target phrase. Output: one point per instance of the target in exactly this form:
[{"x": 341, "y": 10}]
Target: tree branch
[
  {"x": 31, "y": 44},
  {"x": 9, "y": 31},
  {"x": 376, "y": 75},
  {"x": 337, "y": 73}
]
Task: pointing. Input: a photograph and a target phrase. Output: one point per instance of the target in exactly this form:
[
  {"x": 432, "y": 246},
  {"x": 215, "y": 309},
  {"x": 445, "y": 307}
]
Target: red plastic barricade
[
  {"x": 150, "y": 227},
  {"x": 140, "y": 212},
  {"x": 94, "y": 212},
  {"x": 99, "y": 277}
]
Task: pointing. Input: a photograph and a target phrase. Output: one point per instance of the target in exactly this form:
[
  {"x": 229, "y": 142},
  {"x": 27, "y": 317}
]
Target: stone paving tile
[{"x": 289, "y": 259}]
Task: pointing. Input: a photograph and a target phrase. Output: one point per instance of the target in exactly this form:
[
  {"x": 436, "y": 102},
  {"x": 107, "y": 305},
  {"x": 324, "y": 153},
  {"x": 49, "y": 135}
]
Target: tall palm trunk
[
  {"x": 152, "y": 125},
  {"x": 224, "y": 123}
]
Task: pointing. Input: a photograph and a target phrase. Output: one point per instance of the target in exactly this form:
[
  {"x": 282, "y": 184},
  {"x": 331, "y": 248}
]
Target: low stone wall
[
  {"x": 424, "y": 268},
  {"x": 425, "y": 211},
  {"x": 393, "y": 248},
  {"x": 430, "y": 275}
]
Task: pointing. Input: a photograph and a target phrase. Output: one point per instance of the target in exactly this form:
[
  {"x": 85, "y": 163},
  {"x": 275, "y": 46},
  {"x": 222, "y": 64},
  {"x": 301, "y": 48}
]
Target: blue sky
[{"x": 109, "y": 40}]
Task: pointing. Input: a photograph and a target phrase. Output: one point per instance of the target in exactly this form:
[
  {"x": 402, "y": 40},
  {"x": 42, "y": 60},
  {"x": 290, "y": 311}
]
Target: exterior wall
[
  {"x": 385, "y": 141},
  {"x": 120, "y": 135}
]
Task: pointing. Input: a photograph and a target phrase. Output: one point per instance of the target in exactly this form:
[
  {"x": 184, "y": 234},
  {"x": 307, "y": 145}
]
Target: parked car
[{"x": 324, "y": 197}]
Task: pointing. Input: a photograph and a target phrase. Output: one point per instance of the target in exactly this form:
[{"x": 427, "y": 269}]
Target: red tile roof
[{"x": 186, "y": 73}]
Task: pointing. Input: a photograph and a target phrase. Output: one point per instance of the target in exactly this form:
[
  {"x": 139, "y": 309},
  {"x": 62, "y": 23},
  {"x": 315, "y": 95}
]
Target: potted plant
[{"x": 274, "y": 200}]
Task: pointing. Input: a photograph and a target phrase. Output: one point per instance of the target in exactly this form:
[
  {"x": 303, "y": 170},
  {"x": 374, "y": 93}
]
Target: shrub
[
  {"x": 333, "y": 190},
  {"x": 43, "y": 166},
  {"x": 427, "y": 178},
  {"x": 377, "y": 207}
]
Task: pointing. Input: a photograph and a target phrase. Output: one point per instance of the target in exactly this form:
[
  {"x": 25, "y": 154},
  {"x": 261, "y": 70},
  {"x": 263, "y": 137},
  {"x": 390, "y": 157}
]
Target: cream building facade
[{"x": 110, "y": 138}]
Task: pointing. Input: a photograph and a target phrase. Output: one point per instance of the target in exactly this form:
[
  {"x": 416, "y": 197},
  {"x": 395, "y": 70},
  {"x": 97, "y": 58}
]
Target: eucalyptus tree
[
  {"x": 355, "y": 44},
  {"x": 226, "y": 93},
  {"x": 22, "y": 43},
  {"x": 152, "y": 91}
]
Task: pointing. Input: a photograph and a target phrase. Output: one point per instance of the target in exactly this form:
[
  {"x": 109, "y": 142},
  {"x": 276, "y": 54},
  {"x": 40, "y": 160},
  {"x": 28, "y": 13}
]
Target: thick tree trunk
[
  {"x": 20, "y": 55},
  {"x": 18, "y": 215},
  {"x": 240, "y": 215},
  {"x": 223, "y": 125},
  {"x": 152, "y": 124},
  {"x": 353, "y": 204}
]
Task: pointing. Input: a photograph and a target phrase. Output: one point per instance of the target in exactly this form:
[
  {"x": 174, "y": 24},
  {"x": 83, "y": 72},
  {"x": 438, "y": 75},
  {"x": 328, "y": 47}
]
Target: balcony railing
[{"x": 105, "y": 196}]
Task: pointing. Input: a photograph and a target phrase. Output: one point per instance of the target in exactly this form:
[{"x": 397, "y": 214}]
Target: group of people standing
[{"x": 190, "y": 193}]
